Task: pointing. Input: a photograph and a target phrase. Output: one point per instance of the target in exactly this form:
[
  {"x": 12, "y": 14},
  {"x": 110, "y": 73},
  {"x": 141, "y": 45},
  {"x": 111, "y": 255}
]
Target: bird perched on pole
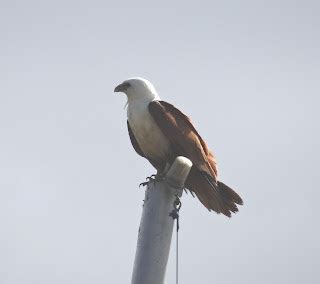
[{"x": 160, "y": 132}]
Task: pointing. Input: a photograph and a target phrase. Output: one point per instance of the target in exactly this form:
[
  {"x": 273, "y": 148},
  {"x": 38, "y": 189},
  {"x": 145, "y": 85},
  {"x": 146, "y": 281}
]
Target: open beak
[{"x": 122, "y": 87}]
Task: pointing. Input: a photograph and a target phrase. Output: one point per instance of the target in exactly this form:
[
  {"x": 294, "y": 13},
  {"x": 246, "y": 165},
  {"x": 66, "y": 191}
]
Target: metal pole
[{"x": 156, "y": 225}]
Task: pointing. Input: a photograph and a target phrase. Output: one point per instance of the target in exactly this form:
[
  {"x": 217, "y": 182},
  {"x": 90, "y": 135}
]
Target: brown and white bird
[{"x": 160, "y": 132}]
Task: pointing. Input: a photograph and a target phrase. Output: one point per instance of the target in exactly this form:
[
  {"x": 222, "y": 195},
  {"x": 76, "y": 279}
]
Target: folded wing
[{"x": 186, "y": 141}]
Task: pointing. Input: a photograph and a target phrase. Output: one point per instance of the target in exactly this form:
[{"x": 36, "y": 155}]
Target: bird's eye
[{"x": 126, "y": 85}]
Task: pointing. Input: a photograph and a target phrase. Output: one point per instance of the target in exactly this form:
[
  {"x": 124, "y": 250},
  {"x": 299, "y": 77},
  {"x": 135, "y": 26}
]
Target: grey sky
[{"x": 247, "y": 72}]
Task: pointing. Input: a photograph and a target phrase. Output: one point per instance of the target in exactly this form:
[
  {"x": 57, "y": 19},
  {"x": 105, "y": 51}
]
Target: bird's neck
[
  {"x": 142, "y": 99},
  {"x": 139, "y": 105}
]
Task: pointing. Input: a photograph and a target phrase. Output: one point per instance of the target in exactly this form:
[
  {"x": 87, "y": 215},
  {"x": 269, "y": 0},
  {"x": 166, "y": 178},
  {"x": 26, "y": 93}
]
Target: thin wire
[
  {"x": 175, "y": 216},
  {"x": 177, "y": 253}
]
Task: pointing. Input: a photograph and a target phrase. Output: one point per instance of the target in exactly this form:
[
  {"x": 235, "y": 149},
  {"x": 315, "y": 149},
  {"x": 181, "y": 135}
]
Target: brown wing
[
  {"x": 183, "y": 136},
  {"x": 186, "y": 141}
]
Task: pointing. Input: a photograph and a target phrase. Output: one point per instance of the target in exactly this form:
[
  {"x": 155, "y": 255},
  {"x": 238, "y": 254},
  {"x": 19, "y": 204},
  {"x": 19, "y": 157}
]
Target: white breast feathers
[{"x": 150, "y": 138}]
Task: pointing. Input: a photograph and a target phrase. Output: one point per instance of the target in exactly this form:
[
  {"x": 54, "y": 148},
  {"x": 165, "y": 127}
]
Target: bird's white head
[{"x": 138, "y": 89}]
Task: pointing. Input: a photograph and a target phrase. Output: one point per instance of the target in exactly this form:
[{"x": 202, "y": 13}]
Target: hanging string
[
  {"x": 175, "y": 215},
  {"x": 177, "y": 253}
]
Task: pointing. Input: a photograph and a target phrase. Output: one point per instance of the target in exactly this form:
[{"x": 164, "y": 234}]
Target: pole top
[{"x": 178, "y": 172}]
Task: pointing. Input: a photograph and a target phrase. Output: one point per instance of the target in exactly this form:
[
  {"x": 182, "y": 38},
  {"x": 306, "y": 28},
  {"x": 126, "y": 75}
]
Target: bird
[{"x": 160, "y": 132}]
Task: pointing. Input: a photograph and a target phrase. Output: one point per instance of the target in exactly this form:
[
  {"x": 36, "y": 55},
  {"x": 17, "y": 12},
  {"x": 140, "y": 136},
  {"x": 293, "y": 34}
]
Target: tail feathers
[
  {"x": 229, "y": 194},
  {"x": 229, "y": 198},
  {"x": 213, "y": 195}
]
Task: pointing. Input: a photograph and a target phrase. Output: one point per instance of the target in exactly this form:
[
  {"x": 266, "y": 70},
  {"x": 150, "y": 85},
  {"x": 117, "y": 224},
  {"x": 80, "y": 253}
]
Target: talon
[
  {"x": 144, "y": 183},
  {"x": 152, "y": 178}
]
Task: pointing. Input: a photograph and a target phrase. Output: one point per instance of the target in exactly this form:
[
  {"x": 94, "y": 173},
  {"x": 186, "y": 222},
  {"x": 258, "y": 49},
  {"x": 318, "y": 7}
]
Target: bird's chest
[{"x": 147, "y": 133}]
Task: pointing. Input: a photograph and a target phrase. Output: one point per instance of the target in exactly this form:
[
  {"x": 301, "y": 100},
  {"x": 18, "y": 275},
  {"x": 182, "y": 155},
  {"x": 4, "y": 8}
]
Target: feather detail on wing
[
  {"x": 186, "y": 141},
  {"x": 183, "y": 136}
]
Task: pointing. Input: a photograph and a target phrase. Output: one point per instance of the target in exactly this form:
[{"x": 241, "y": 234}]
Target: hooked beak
[{"x": 122, "y": 87}]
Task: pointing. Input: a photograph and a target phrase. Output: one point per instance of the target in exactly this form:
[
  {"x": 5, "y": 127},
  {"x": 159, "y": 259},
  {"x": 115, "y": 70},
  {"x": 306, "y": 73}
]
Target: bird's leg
[
  {"x": 148, "y": 179},
  {"x": 161, "y": 174},
  {"x": 157, "y": 177},
  {"x": 151, "y": 177}
]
